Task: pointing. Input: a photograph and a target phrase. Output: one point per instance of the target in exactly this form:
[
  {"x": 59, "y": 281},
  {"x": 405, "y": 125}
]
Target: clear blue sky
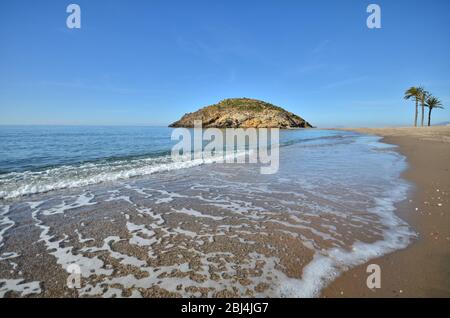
[{"x": 149, "y": 62}]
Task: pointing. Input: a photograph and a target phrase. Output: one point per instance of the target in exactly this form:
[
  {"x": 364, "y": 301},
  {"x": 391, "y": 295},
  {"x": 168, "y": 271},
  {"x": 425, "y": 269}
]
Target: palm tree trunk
[
  {"x": 417, "y": 112},
  {"x": 423, "y": 112},
  {"x": 429, "y": 117}
]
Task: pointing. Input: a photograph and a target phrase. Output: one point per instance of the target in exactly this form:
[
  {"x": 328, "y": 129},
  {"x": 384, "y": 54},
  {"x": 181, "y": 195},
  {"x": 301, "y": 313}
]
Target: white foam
[
  {"x": 325, "y": 267},
  {"x": 81, "y": 239},
  {"x": 138, "y": 240},
  {"x": 123, "y": 258},
  {"x": 64, "y": 255},
  {"x": 18, "y": 285},
  {"x": 197, "y": 214},
  {"x": 17, "y": 184},
  {"x": 8, "y": 255},
  {"x": 329, "y": 264},
  {"x": 5, "y": 222},
  {"x": 119, "y": 198},
  {"x": 80, "y": 201}
]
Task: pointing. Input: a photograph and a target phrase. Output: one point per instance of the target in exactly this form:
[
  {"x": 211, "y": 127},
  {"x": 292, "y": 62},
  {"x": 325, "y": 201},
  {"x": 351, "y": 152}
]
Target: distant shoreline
[{"x": 421, "y": 270}]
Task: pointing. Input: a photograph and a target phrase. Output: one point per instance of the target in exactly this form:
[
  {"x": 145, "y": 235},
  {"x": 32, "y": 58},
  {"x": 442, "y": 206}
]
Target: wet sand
[
  {"x": 422, "y": 269},
  {"x": 212, "y": 230}
]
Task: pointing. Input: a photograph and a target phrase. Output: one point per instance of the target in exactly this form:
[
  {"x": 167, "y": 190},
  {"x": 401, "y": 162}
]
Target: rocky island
[{"x": 243, "y": 113}]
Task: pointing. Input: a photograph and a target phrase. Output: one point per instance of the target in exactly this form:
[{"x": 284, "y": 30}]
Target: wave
[
  {"x": 327, "y": 265},
  {"x": 378, "y": 180},
  {"x": 16, "y": 184},
  {"x": 73, "y": 175}
]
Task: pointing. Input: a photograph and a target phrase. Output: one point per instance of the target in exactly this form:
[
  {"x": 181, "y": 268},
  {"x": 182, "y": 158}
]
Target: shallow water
[
  {"x": 36, "y": 159},
  {"x": 207, "y": 230}
]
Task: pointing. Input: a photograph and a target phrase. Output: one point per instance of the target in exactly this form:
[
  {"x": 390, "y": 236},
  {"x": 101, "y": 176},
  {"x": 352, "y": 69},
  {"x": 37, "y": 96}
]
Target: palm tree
[
  {"x": 432, "y": 102},
  {"x": 423, "y": 95},
  {"x": 413, "y": 92}
]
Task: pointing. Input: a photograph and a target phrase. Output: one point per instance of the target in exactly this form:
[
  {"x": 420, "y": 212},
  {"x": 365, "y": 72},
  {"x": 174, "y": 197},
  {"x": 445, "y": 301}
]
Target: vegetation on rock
[{"x": 243, "y": 113}]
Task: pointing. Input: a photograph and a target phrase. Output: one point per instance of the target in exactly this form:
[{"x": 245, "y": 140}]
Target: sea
[{"x": 106, "y": 208}]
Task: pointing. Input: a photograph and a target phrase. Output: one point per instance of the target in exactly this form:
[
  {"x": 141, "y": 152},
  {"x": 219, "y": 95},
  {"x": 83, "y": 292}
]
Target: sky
[{"x": 149, "y": 62}]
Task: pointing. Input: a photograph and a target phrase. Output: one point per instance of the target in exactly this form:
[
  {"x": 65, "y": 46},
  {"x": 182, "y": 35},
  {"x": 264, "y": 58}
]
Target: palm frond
[
  {"x": 412, "y": 92},
  {"x": 433, "y": 102}
]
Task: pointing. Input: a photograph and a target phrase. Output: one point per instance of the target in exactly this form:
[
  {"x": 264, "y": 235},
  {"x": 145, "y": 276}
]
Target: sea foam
[{"x": 16, "y": 184}]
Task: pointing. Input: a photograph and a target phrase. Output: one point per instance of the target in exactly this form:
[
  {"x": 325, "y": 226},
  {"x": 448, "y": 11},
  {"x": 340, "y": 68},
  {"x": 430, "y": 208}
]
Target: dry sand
[{"x": 423, "y": 269}]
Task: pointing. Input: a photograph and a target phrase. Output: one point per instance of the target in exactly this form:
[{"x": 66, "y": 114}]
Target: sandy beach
[
  {"x": 211, "y": 230},
  {"x": 218, "y": 230},
  {"x": 422, "y": 269}
]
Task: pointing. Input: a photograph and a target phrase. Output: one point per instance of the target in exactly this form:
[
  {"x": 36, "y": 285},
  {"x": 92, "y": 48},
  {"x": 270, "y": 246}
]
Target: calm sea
[{"x": 111, "y": 201}]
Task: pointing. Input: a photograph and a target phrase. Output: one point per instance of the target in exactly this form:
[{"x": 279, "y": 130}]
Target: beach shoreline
[
  {"x": 227, "y": 230},
  {"x": 420, "y": 270},
  {"x": 211, "y": 230}
]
